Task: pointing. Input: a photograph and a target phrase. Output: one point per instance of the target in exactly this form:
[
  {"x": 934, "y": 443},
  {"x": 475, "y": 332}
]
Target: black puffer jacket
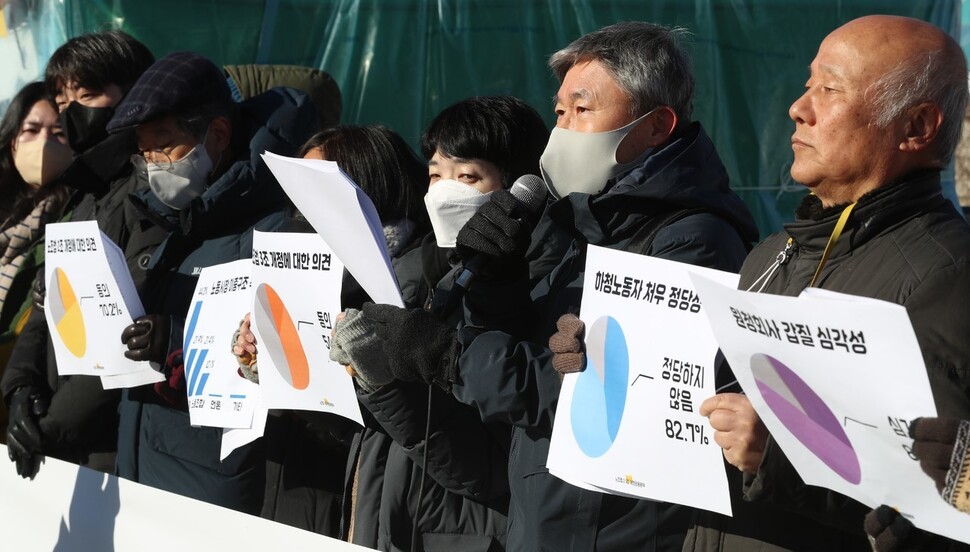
[
  {"x": 82, "y": 421},
  {"x": 905, "y": 243},
  {"x": 156, "y": 444},
  {"x": 464, "y": 490},
  {"x": 513, "y": 381}
]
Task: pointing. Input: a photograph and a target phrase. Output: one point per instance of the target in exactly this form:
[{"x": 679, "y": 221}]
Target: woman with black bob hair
[{"x": 431, "y": 475}]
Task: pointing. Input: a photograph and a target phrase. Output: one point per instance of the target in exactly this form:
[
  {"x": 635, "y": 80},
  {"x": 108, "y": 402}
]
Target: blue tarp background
[{"x": 398, "y": 62}]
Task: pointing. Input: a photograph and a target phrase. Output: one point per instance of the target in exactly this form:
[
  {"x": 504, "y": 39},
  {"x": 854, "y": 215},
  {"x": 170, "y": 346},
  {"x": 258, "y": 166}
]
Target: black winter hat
[{"x": 172, "y": 84}]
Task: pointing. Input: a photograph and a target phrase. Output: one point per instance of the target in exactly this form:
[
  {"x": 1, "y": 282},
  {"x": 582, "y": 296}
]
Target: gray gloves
[{"x": 355, "y": 343}]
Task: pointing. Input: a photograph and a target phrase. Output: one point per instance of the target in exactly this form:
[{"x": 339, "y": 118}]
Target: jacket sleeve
[
  {"x": 464, "y": 455},
  {"x": 28, "y": 359},
  {"x": 507, "y": 380}
]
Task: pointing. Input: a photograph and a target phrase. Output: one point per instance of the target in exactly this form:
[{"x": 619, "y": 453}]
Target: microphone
[{"x": 530, "y": 191}]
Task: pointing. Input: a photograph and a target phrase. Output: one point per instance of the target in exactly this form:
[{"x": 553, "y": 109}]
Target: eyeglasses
[{"x": 159, "y": 160}]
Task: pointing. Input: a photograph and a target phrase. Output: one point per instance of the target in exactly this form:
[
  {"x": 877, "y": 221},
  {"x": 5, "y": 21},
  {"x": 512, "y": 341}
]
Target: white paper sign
[
  {"x": 235, "y": 438},
  {"x": 296, "y": 298},
  {"x": 218, "y": 396},
  {"x": 90, "y": 299},
  {"x": 836, "y": 380},
  {"x": 345, "y": 217},
  {"x": 629, "y": 422}
]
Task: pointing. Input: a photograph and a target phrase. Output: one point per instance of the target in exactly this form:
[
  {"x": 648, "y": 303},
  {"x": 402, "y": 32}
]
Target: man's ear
[
  {"x": 219, "y": 137},
  {"x": 922, "y": 128},
  {"x": 653, "y": 131}
]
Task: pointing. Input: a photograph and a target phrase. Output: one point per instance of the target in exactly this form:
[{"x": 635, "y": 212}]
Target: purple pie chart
[{"x": 806, "y": 416}]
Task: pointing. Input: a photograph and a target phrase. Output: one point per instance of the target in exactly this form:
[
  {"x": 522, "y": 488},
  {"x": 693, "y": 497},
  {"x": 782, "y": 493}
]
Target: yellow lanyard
[{"x": 839, "y": 226}]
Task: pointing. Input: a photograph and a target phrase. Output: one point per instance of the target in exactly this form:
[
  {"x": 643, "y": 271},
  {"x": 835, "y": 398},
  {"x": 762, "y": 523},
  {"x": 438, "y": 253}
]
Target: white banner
[
  {"x": 218, "y": 396},
  {"x": 629, "y": 422},
  {"x": 296, "y": 297},
  {"x": 836, "y": 380},
  {"x": 67, "y": 508}
]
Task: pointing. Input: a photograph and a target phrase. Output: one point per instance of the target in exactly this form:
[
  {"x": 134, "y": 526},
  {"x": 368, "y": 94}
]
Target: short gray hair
[
  {"x": 647, "y": 61},
  {"x": 931, "y": 78}
]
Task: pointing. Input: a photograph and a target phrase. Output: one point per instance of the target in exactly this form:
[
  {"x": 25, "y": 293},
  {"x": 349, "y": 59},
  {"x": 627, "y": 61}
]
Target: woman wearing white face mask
[
  {"x": 455, "y": 498},
  {"x": 33, "y": 153}
]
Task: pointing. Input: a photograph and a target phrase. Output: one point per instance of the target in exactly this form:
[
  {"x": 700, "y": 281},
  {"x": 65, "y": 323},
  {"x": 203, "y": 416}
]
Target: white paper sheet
[
  {"x": 90, "y": 300},
  {"x": 344, "y": 216},
  {"x": 296, "y": 298},
  {"x": 218, "y": 396},
  {"x": 629, "y": 423},
  {"x": 235, "y": 438},
  {"x": 836, "y": 380}
]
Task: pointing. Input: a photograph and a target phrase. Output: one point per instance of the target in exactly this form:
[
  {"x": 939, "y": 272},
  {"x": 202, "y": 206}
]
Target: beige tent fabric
[{"x": 319, "y": 85}]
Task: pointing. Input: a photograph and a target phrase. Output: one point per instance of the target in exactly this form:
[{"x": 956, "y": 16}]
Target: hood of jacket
[
  {"x": 687, "y": 173},
  {"x": 278, "y": 120}
]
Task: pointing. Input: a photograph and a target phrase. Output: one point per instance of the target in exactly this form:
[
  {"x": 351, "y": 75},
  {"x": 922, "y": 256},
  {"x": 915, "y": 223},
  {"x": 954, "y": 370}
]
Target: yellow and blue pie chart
[{"x": 66, "y": 311}]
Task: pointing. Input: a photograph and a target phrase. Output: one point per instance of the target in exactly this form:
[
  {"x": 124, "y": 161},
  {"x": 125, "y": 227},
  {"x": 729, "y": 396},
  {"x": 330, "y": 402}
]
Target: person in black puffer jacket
[
  {"x": 872, "y": 152},
  {"x": 74, "y": 416},
  {"x": 626, "y": 163},
  {"x": 208, "y": 191}
]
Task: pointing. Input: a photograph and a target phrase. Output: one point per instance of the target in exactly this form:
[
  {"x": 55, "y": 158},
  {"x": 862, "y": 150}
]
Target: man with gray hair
[
  {"x": 879, "y": 119},
  {"x": 629, "y": 171}
]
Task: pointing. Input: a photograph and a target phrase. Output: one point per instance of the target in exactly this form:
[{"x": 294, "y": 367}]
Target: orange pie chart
[{"x": 280, "y": 338}]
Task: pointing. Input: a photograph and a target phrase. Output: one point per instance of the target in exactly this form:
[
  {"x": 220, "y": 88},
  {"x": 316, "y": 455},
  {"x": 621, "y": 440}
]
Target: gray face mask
[
  {"x": 585, "y": 161},
  {"x": 177, "y": 184}
]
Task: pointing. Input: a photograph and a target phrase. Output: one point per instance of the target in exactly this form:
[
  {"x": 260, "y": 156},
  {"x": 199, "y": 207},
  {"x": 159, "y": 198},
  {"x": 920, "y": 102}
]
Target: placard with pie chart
[
  {"x": 836, "y": 396},
  {"x": 629, "y": 423},
  {"x": 295, "y": 301},
  {"x": 218, "y": 396},
  {"x": 90, "y": 299}
]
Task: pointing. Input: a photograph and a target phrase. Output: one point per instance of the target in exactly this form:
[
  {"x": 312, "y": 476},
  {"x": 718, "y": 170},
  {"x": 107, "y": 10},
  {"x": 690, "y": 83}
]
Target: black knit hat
[{"x": 176, "y": 82}]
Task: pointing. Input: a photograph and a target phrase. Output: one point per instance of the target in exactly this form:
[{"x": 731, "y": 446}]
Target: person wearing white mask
[
  {"x": 630, "y": 172},
  {"x": 475, "y": 148},
  {"x": 207, "y": 191}
]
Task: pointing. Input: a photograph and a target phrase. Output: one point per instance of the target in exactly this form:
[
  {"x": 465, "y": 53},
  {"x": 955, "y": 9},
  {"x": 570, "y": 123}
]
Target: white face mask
[
  {"x": 41, "y": 161},
  {"x": 450, "y": 204},
  {"x": 183, "y": 181},
  {"x": 584, "y": 161}
]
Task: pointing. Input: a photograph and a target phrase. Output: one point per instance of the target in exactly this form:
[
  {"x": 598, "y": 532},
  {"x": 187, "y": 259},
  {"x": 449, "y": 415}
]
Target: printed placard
[
  {"x": 629, "y": 423},
  {"x": 90, "y": 299},
  {"x": 218, "y": 395},
  {"x": 836, "y": 380},
  {"x": 296, "y": 297}
]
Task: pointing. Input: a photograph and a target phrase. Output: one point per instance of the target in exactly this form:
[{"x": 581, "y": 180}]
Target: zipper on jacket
[{"x": 782, "y": 258}]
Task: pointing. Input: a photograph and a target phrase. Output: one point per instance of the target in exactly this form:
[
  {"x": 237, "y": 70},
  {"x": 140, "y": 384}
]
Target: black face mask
[{"x": 85, "y": 126}]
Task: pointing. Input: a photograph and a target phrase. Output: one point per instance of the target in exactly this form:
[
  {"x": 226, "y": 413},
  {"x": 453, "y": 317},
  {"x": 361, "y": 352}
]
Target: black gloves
[
  {"x": 943, "y": 448},
  {"x": 27, "y": 406},
  {"x": 568, "y": 353},
  {"x": 890, "y": 532},
  {"x": 498, "y": 231},
  {"x": 418, "y": 346},
  {"x": 39, "y": 290},
  {"x": 147, "y": 338}
]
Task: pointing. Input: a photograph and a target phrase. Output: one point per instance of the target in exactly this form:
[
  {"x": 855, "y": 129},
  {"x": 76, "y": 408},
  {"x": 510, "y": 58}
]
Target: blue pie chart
[{"x": 600, "y": 394}]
